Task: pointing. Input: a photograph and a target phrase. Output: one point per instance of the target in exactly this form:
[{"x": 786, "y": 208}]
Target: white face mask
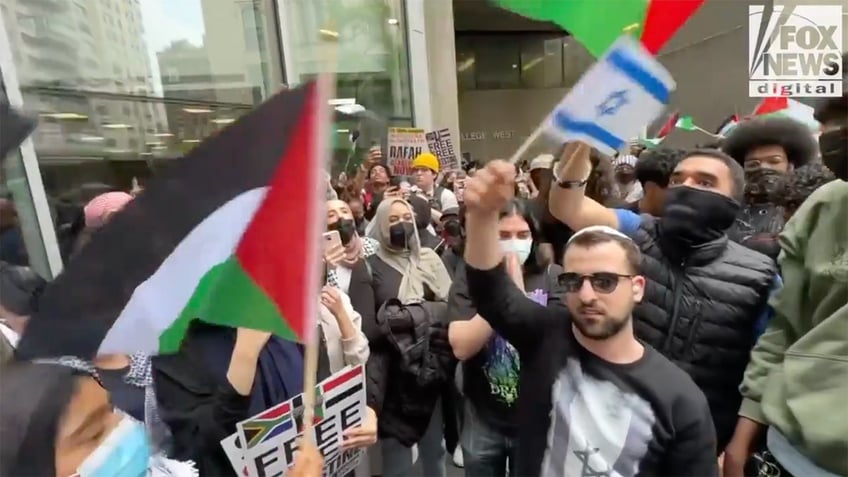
[{"x": 520, "y": 247}]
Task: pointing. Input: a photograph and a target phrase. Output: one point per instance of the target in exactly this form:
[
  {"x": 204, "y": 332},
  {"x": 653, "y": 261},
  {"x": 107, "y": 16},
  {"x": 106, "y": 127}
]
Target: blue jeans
[
  {"x": 485, "y": 451},
  {"x": 397, "y": 458}
]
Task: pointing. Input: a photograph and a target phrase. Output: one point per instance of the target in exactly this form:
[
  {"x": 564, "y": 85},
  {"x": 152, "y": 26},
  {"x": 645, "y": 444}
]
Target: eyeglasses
[{"x": 602, "y": 282}]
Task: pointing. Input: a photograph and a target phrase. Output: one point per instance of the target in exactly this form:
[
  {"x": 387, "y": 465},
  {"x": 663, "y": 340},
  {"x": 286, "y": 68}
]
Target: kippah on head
[
  {"x": 604, "y": 229},
  {"x": 542, "y": 161}
]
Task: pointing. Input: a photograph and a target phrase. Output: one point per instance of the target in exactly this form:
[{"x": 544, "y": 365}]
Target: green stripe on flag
[
  {"x": 226, "y": 296},
  {"x": 594, "y": 23}
]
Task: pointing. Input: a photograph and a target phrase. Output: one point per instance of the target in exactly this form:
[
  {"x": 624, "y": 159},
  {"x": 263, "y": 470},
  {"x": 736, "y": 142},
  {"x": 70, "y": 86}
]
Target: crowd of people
[{"x": 662, "y": 312}]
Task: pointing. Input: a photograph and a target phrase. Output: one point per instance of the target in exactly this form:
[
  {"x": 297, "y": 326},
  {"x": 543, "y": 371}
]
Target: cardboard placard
[
  {"x": 405, "y": 144},
  {"x": 265, "y": 445}
]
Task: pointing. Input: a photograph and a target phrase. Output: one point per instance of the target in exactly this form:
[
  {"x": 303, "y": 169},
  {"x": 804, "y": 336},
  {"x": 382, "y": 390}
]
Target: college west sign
[{"x": 483, "y": 135}]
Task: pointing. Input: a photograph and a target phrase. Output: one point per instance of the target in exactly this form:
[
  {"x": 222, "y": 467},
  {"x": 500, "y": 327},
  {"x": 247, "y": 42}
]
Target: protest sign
[
  {"x": 405, "y": 144},
  {"x": 270, "y": 437},
  {"x": 440, "y": 143}
]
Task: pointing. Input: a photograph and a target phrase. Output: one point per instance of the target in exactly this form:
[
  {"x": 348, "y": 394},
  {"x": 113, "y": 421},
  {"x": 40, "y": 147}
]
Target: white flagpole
[{"x": 527, "y": 143}]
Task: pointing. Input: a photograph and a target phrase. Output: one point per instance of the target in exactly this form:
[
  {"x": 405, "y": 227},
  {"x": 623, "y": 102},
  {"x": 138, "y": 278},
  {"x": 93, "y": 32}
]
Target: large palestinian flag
[
  {"x": 597, "y": 24},
  {"x": 228, "y": 234}
]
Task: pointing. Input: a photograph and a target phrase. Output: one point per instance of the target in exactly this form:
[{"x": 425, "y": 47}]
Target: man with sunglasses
[
  {"x": 593, "y": 400},
  {"x": 706, "y": 297}
]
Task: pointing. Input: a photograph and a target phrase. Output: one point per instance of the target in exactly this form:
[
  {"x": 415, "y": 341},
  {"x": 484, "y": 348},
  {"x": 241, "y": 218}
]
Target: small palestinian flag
[
  {"x": 727, "y": 125},
  {"x": 297, "y": 404},
  {"x": 228, "y": 235},
  {"x": 597, "y": 24},
  {"x": 668, "y": 125},
  {"x": 788, "y": 108}
]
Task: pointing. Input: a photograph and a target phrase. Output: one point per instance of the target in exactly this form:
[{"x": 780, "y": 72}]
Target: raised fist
[{"x": 491, "y": 188}]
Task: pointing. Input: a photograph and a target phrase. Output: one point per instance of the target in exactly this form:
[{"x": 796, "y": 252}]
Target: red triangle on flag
[
  {"x": 771, "y": 105},
  {"x": 668, "y": 126},
  {"x": 663, "y": 19}
]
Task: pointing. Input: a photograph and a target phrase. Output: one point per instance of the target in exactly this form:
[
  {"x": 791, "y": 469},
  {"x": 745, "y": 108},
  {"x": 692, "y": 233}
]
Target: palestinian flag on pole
[
  {"x": 598, "y": 23},
  {"x": 228, "y": 235},
  {"x": 789, "y": 108},
  {"x": 668, "y": 125}
]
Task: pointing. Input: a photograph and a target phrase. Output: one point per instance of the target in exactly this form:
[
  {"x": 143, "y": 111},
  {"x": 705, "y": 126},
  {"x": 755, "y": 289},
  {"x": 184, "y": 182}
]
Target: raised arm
[
  {"x": 570, "y": 205},
  {"x": 468, "y": 332},
  {"x": 499, "y": 301}
]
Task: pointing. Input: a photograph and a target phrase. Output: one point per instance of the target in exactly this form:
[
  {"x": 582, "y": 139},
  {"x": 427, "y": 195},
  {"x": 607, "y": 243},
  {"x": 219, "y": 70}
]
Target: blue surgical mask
[
  {"x": 520, "y": 247},
  {"x": 124, "y": 453}
]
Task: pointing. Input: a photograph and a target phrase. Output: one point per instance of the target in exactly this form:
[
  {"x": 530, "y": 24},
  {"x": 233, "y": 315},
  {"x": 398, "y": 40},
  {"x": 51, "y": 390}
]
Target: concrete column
[{"x": 432, "y": 57}]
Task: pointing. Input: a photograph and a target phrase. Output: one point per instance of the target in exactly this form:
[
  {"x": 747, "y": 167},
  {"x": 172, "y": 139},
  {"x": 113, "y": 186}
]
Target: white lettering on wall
[{"x": 481, "y": 135}]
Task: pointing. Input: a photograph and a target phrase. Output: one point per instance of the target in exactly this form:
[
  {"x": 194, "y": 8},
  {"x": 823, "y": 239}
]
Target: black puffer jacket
[
  {"x": 408, "y": 367},
  {"x": 702, "y": 314}
]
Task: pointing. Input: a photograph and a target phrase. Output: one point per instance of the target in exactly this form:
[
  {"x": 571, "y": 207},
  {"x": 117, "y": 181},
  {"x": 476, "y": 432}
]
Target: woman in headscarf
[
  {"x": 405, "y": 273},
  {"x": 58, "y": 420},
  {"x": 126, "y": 377},
  {"x": 220, "y": 377},
  {"x": 346, "y": 267}
]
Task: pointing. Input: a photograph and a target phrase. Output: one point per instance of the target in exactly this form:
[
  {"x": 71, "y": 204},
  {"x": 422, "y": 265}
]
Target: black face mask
[
  {"x": 400, "y": 234},
  {"x": 346, "y": 228},
  {"x": 695, "y": 216},
  {"x": 763, "y": 185},
  {"x": 834, "y": 151}
]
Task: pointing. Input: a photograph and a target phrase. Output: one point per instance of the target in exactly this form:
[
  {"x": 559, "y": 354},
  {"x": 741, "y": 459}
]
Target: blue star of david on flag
[
  {"x": 624, "y": 91},
  {"x": 612, "y": 104}
]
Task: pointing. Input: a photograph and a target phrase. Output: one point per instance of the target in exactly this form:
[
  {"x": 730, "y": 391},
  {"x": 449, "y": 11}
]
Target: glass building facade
[{"x": 123, "y": 87}]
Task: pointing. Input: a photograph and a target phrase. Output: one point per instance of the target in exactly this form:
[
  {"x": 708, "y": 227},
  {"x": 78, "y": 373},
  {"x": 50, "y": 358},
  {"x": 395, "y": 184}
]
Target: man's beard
[{"x": 599, "y": 327}]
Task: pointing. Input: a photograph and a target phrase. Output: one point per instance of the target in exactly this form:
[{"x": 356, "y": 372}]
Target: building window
[
  {"x": 519, "y": 60},
  {"x": 575, "y": 60},
  {"x": 466, "y": 63},
  {"x": 541, "y": 62},
  {"x": 498, "y": 62},
  {"x": 202, "y": 80},
  {"x": 372, "y": 52}
]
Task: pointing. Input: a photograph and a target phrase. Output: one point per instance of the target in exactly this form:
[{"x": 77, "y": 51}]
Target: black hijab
[{"x": 34, "y": 398}]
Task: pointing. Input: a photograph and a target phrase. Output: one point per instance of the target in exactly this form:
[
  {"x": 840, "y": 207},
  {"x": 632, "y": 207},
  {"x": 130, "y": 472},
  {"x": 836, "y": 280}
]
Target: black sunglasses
[{"x": 602, "y": 282}]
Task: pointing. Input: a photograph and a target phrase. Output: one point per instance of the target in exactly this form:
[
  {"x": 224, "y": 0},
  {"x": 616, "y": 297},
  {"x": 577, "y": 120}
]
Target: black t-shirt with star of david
[{"x": 581, "y": 416}]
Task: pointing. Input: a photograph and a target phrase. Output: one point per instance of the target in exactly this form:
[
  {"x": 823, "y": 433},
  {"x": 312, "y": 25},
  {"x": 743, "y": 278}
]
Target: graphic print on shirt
[
  {"x": 501, "y": 369},
  {"x": 597, "y": 429},
  {"x": 502, "y": 364}
]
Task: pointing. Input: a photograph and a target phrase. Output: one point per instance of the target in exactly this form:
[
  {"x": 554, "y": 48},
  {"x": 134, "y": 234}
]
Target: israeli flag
[{"x": 615, "y": 100}]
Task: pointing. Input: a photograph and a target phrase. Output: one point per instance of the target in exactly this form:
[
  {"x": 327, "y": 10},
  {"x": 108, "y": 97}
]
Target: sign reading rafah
[
  {"x": 405, "y": 144},
  {"x": 270, "y": 438}
]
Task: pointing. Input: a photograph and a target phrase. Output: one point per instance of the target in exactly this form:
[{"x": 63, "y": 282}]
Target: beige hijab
[{"x": 418, "y": 265}]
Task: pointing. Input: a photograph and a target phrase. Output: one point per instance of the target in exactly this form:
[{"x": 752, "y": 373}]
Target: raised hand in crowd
[
  {"x": 364, "y": 435},
  {"x": 308, "y": 462},
  {"x": 333, "y": 255},
  {"x": 331, "y": 298},
  {"x": 489, "y": 190},
  {"x": 375, "y": 156},
  {"x": 393, "y": 192}
]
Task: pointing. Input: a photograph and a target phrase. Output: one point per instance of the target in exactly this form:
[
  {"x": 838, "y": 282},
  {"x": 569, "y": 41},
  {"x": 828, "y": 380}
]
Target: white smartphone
[{"x": 332, "y": 239}]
